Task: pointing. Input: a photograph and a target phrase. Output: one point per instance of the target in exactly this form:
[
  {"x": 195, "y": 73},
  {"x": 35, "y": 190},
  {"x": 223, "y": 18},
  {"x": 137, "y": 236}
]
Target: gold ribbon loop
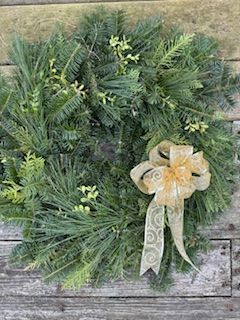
[
  {"x": 169, "y": 175},
  {"x": 138, "y": 172}
]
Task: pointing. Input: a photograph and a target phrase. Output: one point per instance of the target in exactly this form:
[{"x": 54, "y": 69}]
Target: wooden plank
[
  {"x": 8, "y": 232},
  {"x": 42, "y": 308},
  {"x": 36, "y": 2},
  {"x": 217, "y": 18},
  {"x": 213, "y": 280},
  {"x": 236, "y": 268}
]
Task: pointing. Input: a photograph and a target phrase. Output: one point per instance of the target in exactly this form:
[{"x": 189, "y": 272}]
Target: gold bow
[{"x": 169, "y": 175}]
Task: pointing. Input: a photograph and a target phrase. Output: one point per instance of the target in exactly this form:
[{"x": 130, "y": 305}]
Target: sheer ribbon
[{"x": 172, "y": 174}]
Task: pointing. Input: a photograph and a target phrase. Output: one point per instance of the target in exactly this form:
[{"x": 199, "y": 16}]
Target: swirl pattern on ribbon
[{"x": 154, "y": 240}]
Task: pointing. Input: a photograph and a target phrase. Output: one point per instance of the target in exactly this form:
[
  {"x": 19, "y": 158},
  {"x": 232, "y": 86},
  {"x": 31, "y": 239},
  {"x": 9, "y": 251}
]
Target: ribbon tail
[
  {"x": 153, "y": 238},
  {"x": 175, "y": 219}
]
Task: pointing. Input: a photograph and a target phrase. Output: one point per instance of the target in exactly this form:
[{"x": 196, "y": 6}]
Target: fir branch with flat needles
[
  {"x": 168, "y": 51},
  {"x": 82, "y": 111}
]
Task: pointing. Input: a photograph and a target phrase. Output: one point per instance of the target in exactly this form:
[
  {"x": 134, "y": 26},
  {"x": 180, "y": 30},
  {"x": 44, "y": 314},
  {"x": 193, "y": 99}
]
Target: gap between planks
[{"x": 235, "y": 261}]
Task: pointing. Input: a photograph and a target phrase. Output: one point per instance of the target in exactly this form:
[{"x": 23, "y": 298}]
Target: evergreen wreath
[{"x": 79, "y": 114}]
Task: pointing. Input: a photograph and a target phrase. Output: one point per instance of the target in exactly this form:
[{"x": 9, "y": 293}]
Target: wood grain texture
[
  {"x": 236, "y": 268},
  {"x": 8, "y": 232},
  {"x": 213, "y": 280},
  {"x": 49, "y": 308},
  {"x": 217, "y": 18}
]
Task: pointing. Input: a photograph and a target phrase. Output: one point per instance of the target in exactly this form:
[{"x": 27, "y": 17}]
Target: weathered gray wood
[
  {"x": 236, "y": 268},
  {"x": 217, "y": 18},
  {"x": 43, "y": 308},
  {"x": 8, "y": 232},
  {"x": 213, "y": 280}
]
